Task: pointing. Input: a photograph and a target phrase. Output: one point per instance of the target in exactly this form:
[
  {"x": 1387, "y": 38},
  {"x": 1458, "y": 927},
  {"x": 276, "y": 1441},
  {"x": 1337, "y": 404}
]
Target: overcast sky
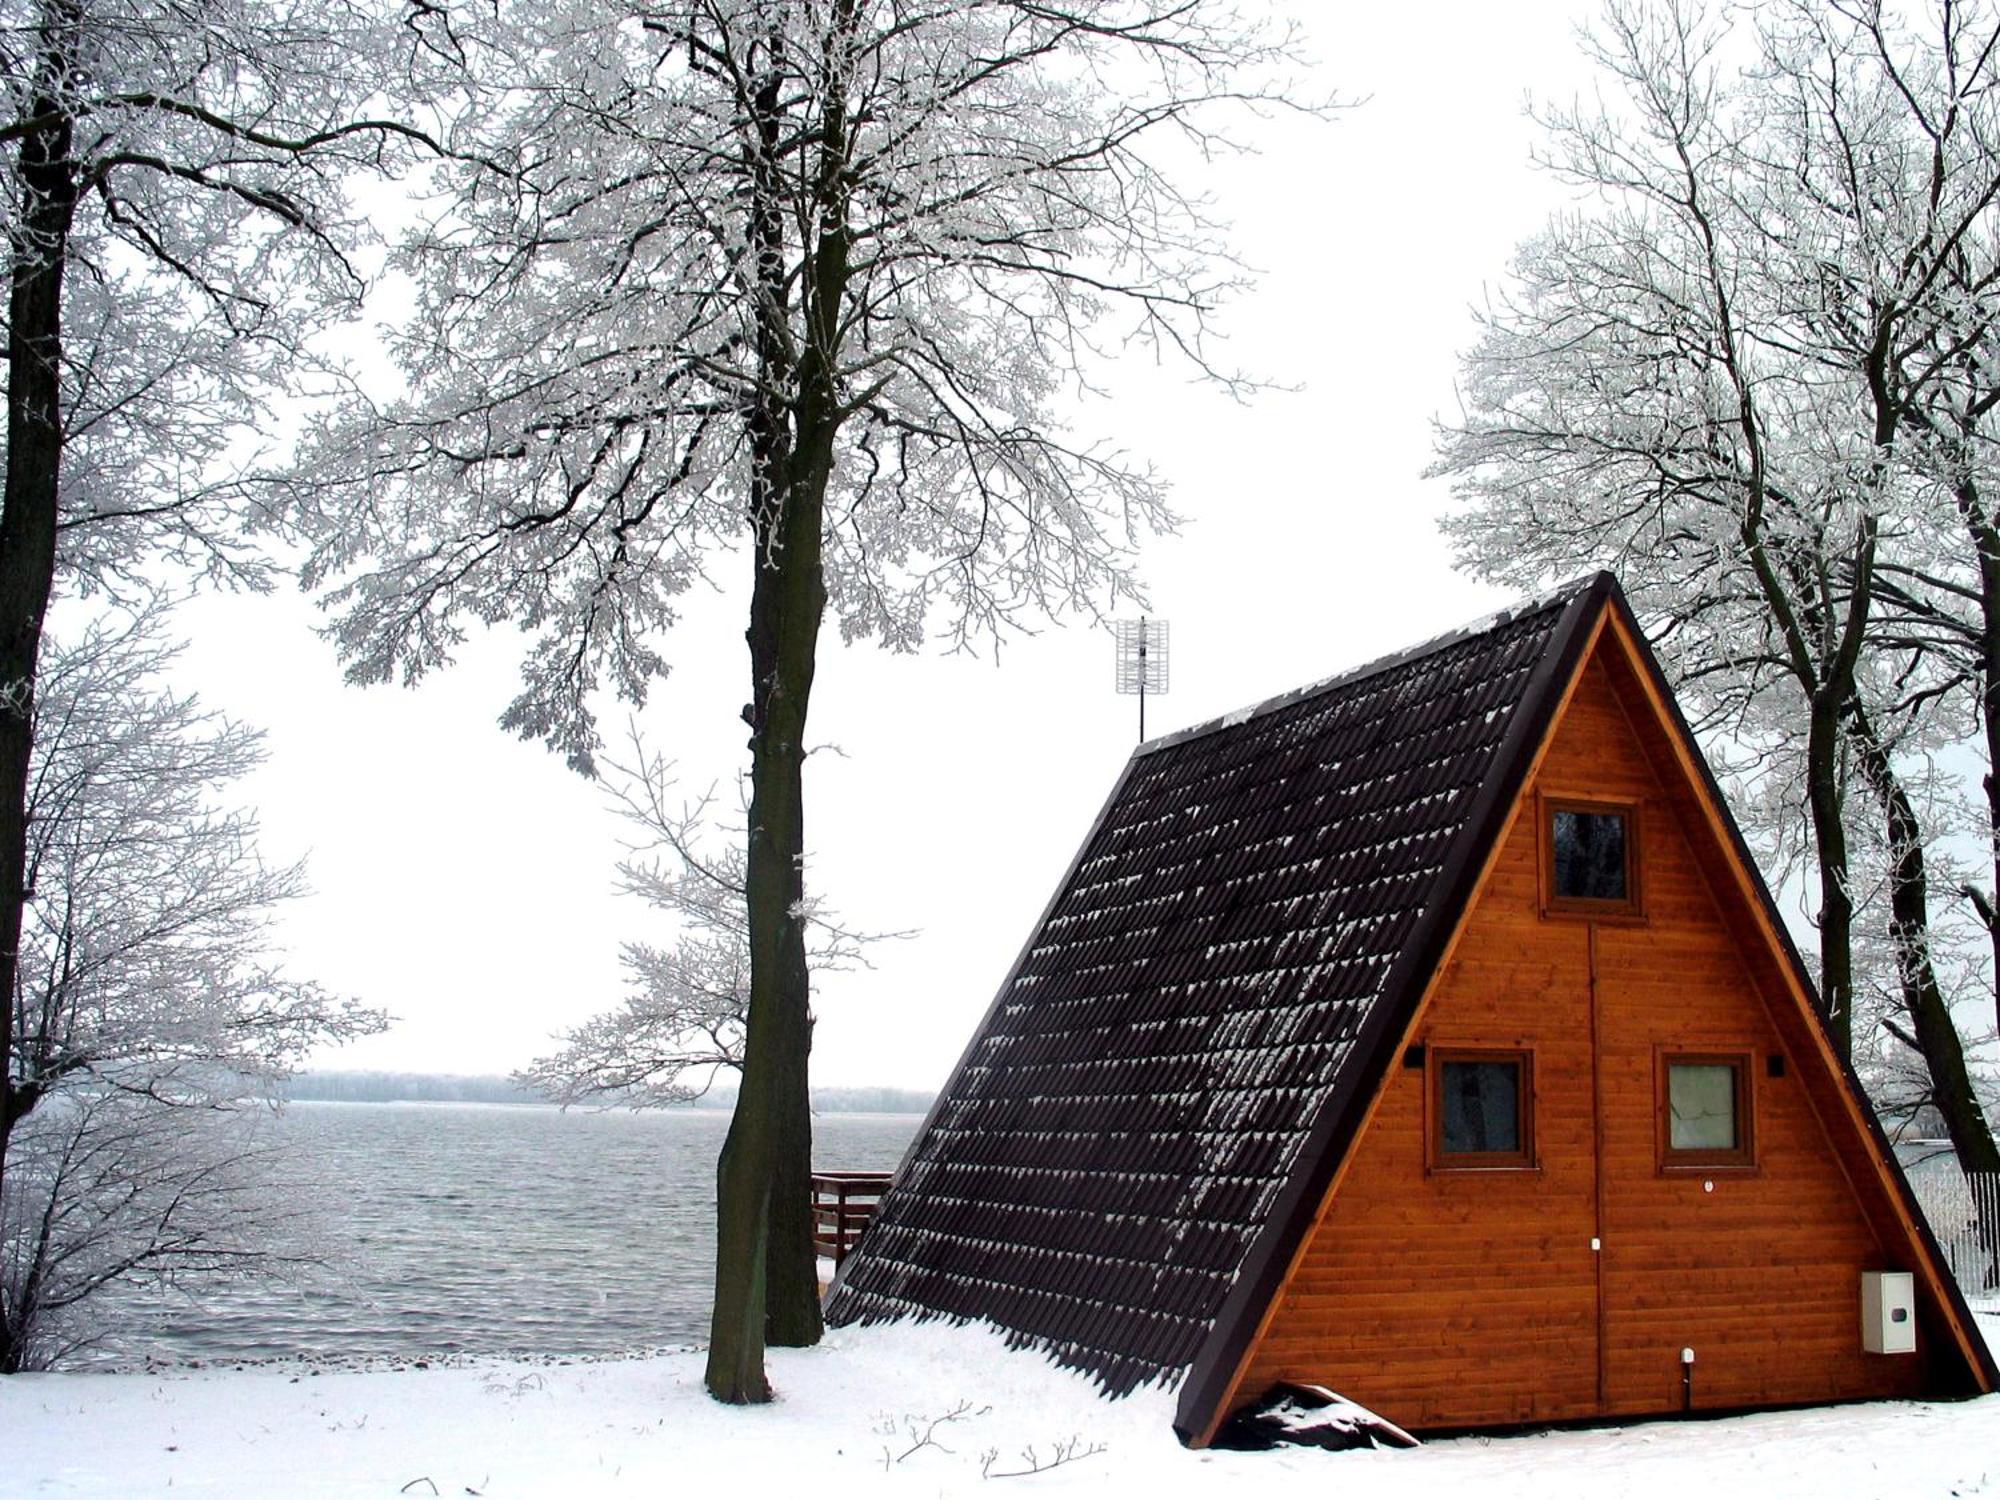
[{"x": 464, "y": 880}]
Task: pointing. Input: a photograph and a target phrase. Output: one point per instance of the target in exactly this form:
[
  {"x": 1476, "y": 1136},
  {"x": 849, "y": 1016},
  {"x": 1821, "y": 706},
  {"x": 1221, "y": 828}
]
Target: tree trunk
[
  {"x": 1989, "y": 712},
  {"x": 792, "y": 433},
  {"x": 1931, "y": 1026},
  {"x": 1822, "y": 638},
  {"x": 46, "y": 184},
  {"x": 1986, "y": 544},
  {"x": 770, "y": 1123},
  {"x": 1836, "y": 902},
  {"x": 791, "y": 1266}
]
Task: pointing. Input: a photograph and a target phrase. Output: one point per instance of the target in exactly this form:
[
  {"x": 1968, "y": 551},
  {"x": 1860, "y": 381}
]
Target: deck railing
[{"x": 843, "y": 1203}]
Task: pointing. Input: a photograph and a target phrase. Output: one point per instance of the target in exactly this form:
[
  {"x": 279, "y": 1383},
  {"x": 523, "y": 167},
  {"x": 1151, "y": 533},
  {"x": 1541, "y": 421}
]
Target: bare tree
[
  {"x": 1714, "y": 376},
  {"x": 146, "y": 1002},
  {"x": 804, "y": 282}
]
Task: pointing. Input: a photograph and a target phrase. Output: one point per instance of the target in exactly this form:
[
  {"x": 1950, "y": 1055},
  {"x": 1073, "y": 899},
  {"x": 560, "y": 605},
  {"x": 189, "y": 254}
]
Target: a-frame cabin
[{"x": 1427, "y": 1034}]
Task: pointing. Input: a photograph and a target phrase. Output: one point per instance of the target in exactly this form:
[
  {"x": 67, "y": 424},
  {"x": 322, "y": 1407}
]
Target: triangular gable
[
  {"x": 1141, "y": 1134},
  {"x": 1606, "y": 629}
]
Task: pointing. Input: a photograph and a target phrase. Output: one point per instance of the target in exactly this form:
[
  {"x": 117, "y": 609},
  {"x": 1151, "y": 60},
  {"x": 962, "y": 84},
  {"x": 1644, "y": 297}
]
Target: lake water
[{"x": 487, "y": 1229}]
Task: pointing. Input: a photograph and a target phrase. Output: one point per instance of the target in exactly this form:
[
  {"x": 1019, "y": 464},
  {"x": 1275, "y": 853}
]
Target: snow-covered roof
[
  {"x": 1348, "y": 677},
  {"x": 1158, "y": 1079}
]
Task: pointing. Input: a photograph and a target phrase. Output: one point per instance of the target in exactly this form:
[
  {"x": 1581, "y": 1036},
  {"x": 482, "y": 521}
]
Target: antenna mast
[{"x": 1142, "y": 660}]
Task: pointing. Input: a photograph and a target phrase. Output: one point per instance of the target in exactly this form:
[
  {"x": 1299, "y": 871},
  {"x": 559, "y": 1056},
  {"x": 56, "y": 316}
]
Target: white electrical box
[{"x": 1888, "y": 1312}]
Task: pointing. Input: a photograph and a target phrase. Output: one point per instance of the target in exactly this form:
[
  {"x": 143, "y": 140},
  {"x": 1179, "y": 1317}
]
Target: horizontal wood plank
[{"x": 1448, "y": 1299}]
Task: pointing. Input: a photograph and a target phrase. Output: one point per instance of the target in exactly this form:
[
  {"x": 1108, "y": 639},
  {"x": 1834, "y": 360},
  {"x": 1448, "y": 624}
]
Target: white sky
[{"x": 463, "y": 880}]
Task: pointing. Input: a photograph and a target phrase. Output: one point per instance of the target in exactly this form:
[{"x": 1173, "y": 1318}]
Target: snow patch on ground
[{"x": 902, "y": 1410}]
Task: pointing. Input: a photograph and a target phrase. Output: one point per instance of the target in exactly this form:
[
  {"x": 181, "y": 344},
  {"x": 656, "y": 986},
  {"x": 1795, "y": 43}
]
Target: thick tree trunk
[
  {"x": 1931, "y": 1026},
  {"x": 1989, "y": 706},
  {"x": 45, "y": 184},
  {"x": 770, "y": 1123},
  {"x": 771, "y": 1288}
]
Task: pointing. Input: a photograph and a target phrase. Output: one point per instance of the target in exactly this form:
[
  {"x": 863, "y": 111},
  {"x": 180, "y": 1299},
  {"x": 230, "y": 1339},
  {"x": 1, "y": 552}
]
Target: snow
[{"x": 889, "y": 1411}]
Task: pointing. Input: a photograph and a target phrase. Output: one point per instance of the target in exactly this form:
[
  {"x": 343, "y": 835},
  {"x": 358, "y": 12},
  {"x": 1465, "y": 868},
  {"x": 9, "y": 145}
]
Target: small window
[
  {"x": 1591, "y": 857},
  {"x": 1705, "y": 1111},
  {"x": 1482, "y": 1109}
]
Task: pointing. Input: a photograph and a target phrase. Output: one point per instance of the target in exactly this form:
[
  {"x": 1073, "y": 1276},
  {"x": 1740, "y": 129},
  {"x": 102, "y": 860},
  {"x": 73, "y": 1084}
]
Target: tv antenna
[{"x": 1142, "y": 660}]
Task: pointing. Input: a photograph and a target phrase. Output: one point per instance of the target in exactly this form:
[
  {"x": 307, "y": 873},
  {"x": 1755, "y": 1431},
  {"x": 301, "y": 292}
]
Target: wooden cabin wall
[{"x": 1448, "y": 1298}]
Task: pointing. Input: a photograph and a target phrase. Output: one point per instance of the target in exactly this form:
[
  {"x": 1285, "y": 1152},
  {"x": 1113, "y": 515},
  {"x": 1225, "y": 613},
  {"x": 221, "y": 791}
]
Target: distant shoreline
[
  {"x": 331, "y": 1086},
  {"x": 719, "y": 1114}
]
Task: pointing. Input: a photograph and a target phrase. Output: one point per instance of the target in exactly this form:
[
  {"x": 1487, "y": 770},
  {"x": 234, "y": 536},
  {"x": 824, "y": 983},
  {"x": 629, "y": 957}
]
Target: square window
[
  {"x": 1590, "y": 858},
  {"x": 1701, "y": 1107},
  {"x": 1482, "y": 1109},
  {"x": 1705, "y": 1111}
]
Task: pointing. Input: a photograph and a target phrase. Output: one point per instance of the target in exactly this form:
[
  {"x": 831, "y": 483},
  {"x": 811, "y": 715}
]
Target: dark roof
[{"x": 1204, "y": 1011}]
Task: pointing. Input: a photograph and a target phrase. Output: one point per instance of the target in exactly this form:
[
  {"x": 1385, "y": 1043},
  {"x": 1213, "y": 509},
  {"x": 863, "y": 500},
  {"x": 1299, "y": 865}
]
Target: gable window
[
  {"x": 1705, "y": 1110},
  {"x": 1482, "y": 1108},
  {"x": 1590, "y": 857}
]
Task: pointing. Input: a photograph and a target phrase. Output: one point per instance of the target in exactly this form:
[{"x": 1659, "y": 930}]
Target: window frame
[
  {"x": 1741, "y": 1157},
  {"x": 1632, "y": 906},
  {"x": 1437, "y": 1159}
]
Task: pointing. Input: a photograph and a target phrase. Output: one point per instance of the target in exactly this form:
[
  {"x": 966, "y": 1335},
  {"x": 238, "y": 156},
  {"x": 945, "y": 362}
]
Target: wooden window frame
[
  {"x": 1632, "y": 907},
  {"x": 1437, "y": 1159},
  {"x": 1743, "y": 1157}
]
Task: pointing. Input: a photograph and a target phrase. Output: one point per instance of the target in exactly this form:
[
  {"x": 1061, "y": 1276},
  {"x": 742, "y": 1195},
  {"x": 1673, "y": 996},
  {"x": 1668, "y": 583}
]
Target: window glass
[
  {"x": 1481, "y": 1107},
  {"x": 1589, "y": 855},
  {"x": 1701, "y": 1107}
]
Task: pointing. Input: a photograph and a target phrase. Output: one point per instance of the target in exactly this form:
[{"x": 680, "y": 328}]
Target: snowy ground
[{"x": 853, "y": 1418}]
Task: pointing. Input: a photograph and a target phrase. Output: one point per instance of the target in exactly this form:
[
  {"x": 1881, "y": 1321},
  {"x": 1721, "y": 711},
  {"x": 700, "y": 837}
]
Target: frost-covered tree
[
  {"x": 682, "y": 1020},
  {"x": 806, "y": 282},
  {"x": 147, "y": 1001},
  {"x": 176, "y": 229},
  {"x": 1717, "y": 375}
]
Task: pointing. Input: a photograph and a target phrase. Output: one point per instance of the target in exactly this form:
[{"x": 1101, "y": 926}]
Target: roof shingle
[{"x": 1117, "y": 1138}]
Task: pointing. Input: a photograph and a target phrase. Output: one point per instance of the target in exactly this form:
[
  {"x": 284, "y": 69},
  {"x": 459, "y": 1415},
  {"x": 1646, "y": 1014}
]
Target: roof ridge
[{"x": 1490, "y": 620}]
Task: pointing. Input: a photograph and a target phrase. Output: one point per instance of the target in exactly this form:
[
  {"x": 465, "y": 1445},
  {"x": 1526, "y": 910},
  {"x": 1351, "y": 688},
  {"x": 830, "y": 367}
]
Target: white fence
[{"x": 1957, "y": 1205}]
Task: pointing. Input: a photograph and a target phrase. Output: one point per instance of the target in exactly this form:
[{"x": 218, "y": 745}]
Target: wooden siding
[{"x": 1451, "y": 1298}]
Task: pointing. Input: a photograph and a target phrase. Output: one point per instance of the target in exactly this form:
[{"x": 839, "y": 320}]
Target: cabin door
[{"x": 1507, "y": 1234}]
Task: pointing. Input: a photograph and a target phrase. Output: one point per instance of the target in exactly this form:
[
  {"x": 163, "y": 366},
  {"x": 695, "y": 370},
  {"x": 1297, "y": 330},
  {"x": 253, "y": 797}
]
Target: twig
[
  {"x": 927, "y": 1438},
  {"x": 1071, "y": 1451}
]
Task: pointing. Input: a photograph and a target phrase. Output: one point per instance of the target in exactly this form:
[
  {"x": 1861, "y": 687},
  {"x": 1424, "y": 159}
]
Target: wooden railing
[{"x": 843, "y": 1203}]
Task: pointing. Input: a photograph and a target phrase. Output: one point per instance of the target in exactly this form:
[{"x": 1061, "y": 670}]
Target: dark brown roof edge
[
  {"x": 986, "y": 1018},
  {"x": 1490, "y": 621},
  {"x": 1789, "y": 954},
  {"x": 1265, "y": 1267}
]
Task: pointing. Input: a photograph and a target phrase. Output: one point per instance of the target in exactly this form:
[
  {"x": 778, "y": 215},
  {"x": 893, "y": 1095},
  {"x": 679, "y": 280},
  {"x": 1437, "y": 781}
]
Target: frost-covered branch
[
  {"x": 682, "y": 1021},
  {"x": 1752, "y": 371},
  {"x": 148, "y": 1005}
]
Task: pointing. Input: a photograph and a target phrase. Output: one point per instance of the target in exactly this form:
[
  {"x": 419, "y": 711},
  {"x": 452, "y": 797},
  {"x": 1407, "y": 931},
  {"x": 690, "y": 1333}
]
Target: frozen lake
[{"x": 487, "y": 1229}]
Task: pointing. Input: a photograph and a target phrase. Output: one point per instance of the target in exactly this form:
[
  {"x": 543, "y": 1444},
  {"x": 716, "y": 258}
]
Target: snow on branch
[
  {"x": 681, "y": 1022},
  {"x": 912, "y": 232}
]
